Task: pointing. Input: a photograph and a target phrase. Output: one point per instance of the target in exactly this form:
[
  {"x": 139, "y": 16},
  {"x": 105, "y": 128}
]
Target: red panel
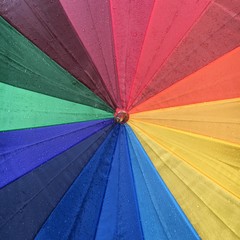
[
  {"x": 216, "y": 33},
  {"x": 130, "y": 20},
  {"x": 45, "y": 23},
  {"x": 92, "y": 22},
  {"x": 217, "y": 81},
  {"x": 169, "y": 23}
]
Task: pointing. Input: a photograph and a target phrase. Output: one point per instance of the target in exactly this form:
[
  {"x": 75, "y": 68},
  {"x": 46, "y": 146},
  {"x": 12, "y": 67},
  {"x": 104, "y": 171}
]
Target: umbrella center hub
[{"x": 121, "y": 116}]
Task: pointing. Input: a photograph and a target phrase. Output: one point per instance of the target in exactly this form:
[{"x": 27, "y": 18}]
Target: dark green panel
[{"x": 23, "y": 65}]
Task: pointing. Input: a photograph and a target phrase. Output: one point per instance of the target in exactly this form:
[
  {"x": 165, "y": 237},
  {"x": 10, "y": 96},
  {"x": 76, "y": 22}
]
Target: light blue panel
[{"x": 161, "y": 216}]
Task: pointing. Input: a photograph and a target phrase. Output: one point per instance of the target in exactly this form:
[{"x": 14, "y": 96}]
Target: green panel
[
  {"x": 20, "y": 108},
  {"x": 23, "y": 65}
]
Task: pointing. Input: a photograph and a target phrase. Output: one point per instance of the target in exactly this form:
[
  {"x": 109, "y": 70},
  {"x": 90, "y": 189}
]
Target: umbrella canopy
[{"x": 119, "y": 119}]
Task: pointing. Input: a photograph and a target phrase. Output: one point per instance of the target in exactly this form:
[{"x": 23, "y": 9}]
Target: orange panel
[{"x": 218, "y": 80}]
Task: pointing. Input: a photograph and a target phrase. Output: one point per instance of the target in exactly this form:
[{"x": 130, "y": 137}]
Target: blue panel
[
  {"x": 77, "y": 215},
  {"x": 23, "y": 150},
  {"x": 161, "y": 216},
  {"x": 120, "y": 215}
]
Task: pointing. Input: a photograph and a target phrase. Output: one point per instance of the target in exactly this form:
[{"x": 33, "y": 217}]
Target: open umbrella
[{"x": 119, "y": 119}]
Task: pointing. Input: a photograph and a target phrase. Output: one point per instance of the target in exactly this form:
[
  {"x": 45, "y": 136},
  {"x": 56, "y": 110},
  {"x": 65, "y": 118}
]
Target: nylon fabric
[
  {"x": 161, "y": 216},
  {"x": 219, "y": 119},
  {"x": 212, "y": 210},
  {"x": 215, "y": 33},
  {"x": 24, "y": 65},
  {"x": 46, "y": 24},
  {"x": 29, "y": 109},
  {"x": 92, "y": 22},
  {"x": 217, "y": 81},
  {"x": 70, "y": 168},
  {"x": 52, "y": 141},
  {"x": 80, "y": 220},
  {"x": 119, "y": 218},
  {"x": 30, "y": 200}
]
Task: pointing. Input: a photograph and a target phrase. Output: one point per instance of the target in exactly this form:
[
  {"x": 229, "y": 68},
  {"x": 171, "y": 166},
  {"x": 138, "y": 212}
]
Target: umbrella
[{"x": 119, "y": 119}]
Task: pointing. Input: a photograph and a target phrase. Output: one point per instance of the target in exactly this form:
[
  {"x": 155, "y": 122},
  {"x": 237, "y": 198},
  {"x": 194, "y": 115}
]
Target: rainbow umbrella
[{"x": 119, "y": 119}]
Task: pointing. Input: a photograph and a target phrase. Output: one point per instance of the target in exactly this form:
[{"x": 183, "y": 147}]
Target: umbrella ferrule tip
[{"x": 121, "y": 116}]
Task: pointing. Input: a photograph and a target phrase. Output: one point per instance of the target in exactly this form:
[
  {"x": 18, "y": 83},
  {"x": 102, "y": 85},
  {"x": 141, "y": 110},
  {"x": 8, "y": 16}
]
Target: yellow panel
[
  {"x": 218, "y": 160},
  {"x": 213, "y": 211},
  {"x": 220, "y": 119}
]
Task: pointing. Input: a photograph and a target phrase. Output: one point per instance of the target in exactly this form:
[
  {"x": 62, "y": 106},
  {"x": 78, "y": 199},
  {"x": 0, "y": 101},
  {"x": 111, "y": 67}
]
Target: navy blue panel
[
  {"x": 120, "y": 216},
  {"x": 25, "y": 150},
  {"x": 27, "y": 202},
  {"x": 77, "y": 215},
  {"x": 159, "y": 211}
]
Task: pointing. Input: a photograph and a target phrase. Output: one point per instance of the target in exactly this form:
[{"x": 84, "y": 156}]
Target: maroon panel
[
  {"x": 45, "y": 23},
  {"x": 96, "y": 16},
  {"x": 216, "y": 33}
]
